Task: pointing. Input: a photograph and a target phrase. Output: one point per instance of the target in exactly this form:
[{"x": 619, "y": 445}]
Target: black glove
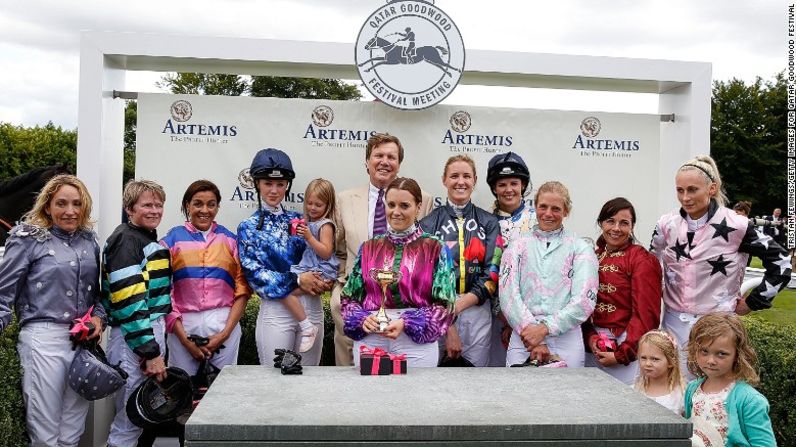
[
  {"x": 288, "y": 361},
  {"x": 528, "y": 362}
]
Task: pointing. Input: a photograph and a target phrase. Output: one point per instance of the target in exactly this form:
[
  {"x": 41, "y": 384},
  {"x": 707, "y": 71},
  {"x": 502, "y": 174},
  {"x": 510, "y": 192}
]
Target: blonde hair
[
  {"x": 134, "y": 189},
  {"x": 460, "y": 157},
  {"x": 706, "y": 167},
  {"x": 324, "y": 190},
  {"x": 718, "y": 324},
  {"x": 555, "y": 188},
  {"x": 668, "y": 346},
  {"x": 39, "y": 216}
]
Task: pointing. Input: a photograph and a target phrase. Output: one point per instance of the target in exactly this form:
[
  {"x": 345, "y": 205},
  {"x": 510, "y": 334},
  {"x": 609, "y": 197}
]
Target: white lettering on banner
[{"x": 327, "y": 139}]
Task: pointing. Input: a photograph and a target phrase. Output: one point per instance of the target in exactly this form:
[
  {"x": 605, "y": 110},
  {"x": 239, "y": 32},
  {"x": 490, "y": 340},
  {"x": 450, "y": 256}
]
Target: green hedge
[
  {"x": 775, "y": 345},
  {"x": 776, "y": 353},
  {"x": 12, "y": 410}
]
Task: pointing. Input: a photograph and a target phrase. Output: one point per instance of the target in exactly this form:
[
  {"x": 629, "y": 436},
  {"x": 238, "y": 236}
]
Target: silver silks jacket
[{"x": 49, "y": 275}]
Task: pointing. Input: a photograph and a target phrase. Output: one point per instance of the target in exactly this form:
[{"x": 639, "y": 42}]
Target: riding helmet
[
  {"x": 154, "y": 403},
  {"x": 505, "y": 166},
  {"x": 272, "y": 164}
]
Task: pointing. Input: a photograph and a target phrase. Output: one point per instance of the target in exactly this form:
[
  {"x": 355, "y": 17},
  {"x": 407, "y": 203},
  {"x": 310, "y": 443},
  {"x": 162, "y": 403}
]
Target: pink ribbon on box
[
  {"x": 80, "y": 323},
  {"x": 377, "y": 354},
  {"x": 294, "y": 223},
  {"x": 396, "y": 362}
]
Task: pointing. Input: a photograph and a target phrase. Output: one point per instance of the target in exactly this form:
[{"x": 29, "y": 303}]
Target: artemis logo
[
  {"x": 181, "y": 111},
  {"x": 590, "y": 127}
]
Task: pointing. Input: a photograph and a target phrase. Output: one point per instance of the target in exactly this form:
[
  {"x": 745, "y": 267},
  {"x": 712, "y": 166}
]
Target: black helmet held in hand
[
  {"x": 508, "y": 165},
  {"x": 154, "y": 403}
]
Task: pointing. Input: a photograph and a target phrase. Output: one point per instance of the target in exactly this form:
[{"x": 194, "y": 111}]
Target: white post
[{"x": 100, "y": 142}]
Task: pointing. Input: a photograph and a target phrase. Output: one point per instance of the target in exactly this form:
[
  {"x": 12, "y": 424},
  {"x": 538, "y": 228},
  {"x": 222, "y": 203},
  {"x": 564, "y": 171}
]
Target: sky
[{"x": 40, "y": 41}]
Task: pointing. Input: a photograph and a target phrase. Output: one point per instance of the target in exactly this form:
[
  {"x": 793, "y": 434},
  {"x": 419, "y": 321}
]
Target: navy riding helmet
[
  {"x": 505, "y": 166},
  {"x": 271, "y": 164}
]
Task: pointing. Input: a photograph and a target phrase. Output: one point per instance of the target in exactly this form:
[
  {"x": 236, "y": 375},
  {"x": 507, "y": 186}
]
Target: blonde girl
[
  {"x": 722, "y": 403},
  {"x": 659, "y": 376},
  {"x": 318, "y": 231}
]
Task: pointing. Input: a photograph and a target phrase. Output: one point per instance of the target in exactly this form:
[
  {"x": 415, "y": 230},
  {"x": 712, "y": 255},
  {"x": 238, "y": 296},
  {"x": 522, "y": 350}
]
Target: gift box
[
  {"x": 378, "y": 362},
  {"x": 294, "y": 223}
]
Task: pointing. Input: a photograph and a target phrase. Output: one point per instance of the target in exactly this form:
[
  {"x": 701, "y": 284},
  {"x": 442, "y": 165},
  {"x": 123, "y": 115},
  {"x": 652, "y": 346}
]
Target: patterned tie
[{"x": 379, "y": 217}]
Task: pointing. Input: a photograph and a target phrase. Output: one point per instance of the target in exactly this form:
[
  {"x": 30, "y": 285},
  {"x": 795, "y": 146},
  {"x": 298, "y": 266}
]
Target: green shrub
[
  {"x": 776, "y": 353},
  {"x": 12, "y": 410}
]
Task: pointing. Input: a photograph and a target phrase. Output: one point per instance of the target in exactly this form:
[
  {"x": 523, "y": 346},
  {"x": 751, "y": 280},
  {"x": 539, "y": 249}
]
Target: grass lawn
[{"x": 783, "y": 312}]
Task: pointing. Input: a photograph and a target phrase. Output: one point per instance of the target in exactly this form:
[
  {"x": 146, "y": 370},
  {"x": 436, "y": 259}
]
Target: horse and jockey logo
[
  {"x": 322, "y": 116},
  {"x": 461, "y": 121},
  {"x": 409, "y": 54},
  {"x": 245, "y": 179},
  {"x": 590, "y": 127},
  {"x": 181, "y": 111}
]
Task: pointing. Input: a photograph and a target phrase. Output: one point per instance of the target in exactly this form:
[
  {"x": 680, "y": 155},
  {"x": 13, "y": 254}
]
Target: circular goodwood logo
[
  {"x": 322, "y": 116},
  {"x": 590, "y": 127},
  {"x": 245, "y": 179},
  {"x": 409, "y": 54},
  {"x": 460, "y": 121},
  {"x": 181, "y": 111}
]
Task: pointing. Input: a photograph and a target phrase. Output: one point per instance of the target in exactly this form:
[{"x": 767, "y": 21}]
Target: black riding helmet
[
  {"x": 508, "y": 165},
  {"x": 271, "y": 164},
  {"x": 154, "y": 403}
]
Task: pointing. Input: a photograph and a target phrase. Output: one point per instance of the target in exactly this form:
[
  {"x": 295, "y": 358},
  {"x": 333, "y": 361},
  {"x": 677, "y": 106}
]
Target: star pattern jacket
[
  {"x": 471, "y": 241},
  {"x": 426, "y": 285},
  {"x": 628, "y": 299},
  {"x": 702, "y": 269}
]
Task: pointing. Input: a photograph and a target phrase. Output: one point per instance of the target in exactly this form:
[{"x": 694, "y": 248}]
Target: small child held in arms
[
  {"x": 319, "y": 233},
  {"x": 721, "y": 403},
  {"x": 659, "y": 375}
]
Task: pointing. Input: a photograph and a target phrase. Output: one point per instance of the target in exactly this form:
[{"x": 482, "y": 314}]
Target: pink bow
[
  {"x": 80, "y": 326},
  {"x": 396, "y": 362},
  {"x": 604, "y": 343},
  {"x": 377, "y": 354},
  {"x": 294, "y": 223}
]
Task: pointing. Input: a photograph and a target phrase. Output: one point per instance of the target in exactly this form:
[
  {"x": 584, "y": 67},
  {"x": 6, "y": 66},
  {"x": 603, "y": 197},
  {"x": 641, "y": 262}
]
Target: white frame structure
[{"x": 684, "y": 90}]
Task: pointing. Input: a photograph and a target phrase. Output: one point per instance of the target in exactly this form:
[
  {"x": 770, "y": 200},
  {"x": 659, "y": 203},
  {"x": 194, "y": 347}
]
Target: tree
[
  {"x": 747, "y": 136},
  {"x": 203, "y": 84},
  {"x": 25, "y": 148},
  {"x": 130, "y": 125},
  {"x": 303, "y": 88},
  {"x": 274, "y": 86}
]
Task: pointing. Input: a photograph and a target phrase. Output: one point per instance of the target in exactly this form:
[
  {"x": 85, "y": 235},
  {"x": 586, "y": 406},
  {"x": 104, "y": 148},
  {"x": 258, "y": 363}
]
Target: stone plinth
[{"x": 255, "y": 405}]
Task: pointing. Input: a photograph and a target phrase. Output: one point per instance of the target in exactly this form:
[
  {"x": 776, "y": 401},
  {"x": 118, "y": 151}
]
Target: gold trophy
[{"x": 385, "y": 277}]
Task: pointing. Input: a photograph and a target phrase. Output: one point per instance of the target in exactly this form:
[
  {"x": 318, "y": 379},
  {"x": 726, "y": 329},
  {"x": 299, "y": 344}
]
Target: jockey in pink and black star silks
[{"x": 701, "y": 246}]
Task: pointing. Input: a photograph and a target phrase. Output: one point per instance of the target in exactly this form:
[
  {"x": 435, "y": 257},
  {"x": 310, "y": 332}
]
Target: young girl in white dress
[{"x": 659, "y": 376}]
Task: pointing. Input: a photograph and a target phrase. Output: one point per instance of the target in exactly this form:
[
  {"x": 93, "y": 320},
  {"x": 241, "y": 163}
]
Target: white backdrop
[{"x": 327, "y": 139}]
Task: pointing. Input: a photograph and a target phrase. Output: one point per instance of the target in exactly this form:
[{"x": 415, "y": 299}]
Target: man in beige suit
[{"x": 358, "y": 214}]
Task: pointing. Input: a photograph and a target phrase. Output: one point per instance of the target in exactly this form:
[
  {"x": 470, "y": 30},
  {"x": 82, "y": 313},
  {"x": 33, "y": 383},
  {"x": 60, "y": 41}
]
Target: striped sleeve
[{"x": 126, "y": 278}]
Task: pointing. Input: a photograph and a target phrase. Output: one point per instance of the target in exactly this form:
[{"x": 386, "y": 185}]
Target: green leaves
[{"x": 747, "y": 137}]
